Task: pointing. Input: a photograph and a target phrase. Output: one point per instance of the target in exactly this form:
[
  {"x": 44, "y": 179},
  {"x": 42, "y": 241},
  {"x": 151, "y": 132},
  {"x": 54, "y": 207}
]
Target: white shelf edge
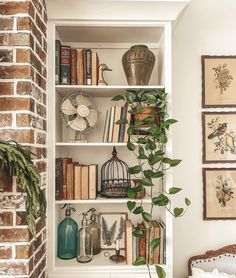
[
  {"x": 109, "y": 87},
  {"x": 101, "y": 201},
  {"x": 95, "y": 144}
]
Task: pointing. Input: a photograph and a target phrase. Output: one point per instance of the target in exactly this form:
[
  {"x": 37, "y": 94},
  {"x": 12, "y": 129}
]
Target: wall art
[
  {"x": 219, "y": 193},
  {"x": 218, "y": 81},
  {"x": 219, "y": 137}
]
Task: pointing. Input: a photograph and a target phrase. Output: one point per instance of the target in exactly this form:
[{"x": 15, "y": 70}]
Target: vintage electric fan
[{"x": 80, "y": 114}]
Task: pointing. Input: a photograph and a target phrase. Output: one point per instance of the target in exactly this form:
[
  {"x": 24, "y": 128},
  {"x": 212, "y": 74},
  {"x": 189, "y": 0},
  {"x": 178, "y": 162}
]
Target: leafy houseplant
[
  {"x": 148, "y": 132},
  {"x": 16, "y": 161}
]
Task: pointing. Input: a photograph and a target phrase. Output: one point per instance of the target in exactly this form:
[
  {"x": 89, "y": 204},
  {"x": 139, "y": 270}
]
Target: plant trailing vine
[
  {"x": 148, "y": 139},
  {"x": 16, "y": 161}
]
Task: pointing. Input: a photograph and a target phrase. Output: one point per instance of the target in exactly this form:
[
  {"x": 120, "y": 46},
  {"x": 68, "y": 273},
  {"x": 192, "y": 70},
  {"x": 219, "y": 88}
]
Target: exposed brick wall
[{"x": 23, "y": 52}]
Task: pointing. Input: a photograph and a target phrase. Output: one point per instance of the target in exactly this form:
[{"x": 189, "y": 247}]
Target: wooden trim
[
  {"x": 204, "y": 170},
  {"x": 204, "y": 160},
  {"x": 231, "y": 249},
  {"x": 203, "y": 57}
]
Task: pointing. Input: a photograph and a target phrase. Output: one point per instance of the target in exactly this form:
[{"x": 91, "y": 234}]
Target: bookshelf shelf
[
  {"x": 101, "y": 91},
  {"x": 89, "y": 144}
]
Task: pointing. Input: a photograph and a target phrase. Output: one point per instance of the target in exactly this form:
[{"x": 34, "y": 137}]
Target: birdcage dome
[{"x": 115, "y": 178}]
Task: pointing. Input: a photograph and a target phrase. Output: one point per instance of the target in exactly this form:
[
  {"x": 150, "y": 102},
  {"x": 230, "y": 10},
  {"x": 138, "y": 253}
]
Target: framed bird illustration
[
  {"x": 112, "y": 229},
  {"x": 219, "y": 137}
]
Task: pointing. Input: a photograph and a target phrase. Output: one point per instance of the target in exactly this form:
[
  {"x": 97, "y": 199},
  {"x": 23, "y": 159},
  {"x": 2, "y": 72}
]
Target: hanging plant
[
  {"x": 16, "y": 161},
  {"x": 148, "y": 133}
]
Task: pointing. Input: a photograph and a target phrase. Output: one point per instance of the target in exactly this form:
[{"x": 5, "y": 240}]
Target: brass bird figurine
[
  {"x": 101, "y": 69},
  {"x": 221, "y": 130}
]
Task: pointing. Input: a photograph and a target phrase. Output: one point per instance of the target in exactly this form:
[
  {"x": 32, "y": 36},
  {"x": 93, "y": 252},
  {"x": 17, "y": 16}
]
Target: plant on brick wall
[
  {"x": 148, "y": 131},
  {"x": 17, "y": 162}
]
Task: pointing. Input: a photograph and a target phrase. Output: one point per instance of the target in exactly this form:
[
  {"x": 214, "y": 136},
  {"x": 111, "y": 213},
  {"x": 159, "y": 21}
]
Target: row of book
[
  {"x": 75, "y": 66},
  {"x": 139, "y": 246},
  {"x": 116, "y": 132},
  {"x": 75, "y": 181}
]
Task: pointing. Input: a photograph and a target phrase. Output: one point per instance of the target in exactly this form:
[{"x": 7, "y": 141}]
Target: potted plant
[
  {"x": 148, "y": 133},
  {"x": 16, "y": 161}
]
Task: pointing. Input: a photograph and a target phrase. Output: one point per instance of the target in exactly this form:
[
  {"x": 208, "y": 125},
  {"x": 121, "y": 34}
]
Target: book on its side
[
  {"x": 65, "y": 67},
  {"x": 129, "y": 241},
  {"x": 65, "y": 161},
  {"x": 95, "y": 65},
  {"x": 122, "y": 126},
  {"x": 85, "y": 182},
  {"x": 57, "y": 61},
  {"x": 77, "y": 181},
  {"x": 80, "y": 67},
  {"x": 58, "y": 168},
  {"x": 126, "y": 135},
  {"x": 105, "y": 130},
  {"x": 93, "y": 180},
  {"x": 70, "y": 181},
  {"x": 116, "y": 127},
  {"x": 111, "y": 123},
  {"x": 156, "y": 251},
  {"x": 73, "y": 66}
]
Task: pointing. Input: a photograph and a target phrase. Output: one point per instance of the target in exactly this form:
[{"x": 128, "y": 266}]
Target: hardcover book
[
  {"x": 57, "y": 61},
  {"x": 65, "y": 66},
  {"x": 58, "y": 181},
  {"x": 73, "y": 66}
]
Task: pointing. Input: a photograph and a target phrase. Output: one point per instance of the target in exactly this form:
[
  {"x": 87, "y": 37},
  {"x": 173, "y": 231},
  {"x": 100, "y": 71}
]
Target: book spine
[
  {"x": 111, "y": 124},
  {"x": 95, "y": 64},
  {"x": 70, "y": 181},
  {"x": 85, "y": 182},
  {"x": 122, "y": 126},
  {"x": 93, "y": 182},
  {"x": 88, "y": 71},
  {"x": 80, "y": 67},
  {"x": 57, "y": 61},
  {"x": 104, "y": 137},
  {"x": 77, "y": 182},
  {"x": 65, "y": 65},
  {"x": 116, "y": 127},
  {"x": 73, "y": 66},
  {"x": 65, "y": 161},
  {"x": 126, "y": 135},
  {"x": 58, "y": 193}
]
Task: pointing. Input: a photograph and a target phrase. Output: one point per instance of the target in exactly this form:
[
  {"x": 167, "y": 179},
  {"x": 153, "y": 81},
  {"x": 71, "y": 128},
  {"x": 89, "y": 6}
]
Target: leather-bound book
[{"x": 65, "y": 66}]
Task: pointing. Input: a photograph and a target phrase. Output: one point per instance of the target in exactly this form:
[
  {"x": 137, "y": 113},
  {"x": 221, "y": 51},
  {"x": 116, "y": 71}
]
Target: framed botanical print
[
  {"x": 219, "y": 193},
  {"x": 219, "y": 137},
  {"x": 218, "y": 81}
]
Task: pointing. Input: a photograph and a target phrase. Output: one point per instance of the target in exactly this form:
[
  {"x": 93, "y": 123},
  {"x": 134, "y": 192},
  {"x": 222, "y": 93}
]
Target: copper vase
[{"x": 138, "y": 63}]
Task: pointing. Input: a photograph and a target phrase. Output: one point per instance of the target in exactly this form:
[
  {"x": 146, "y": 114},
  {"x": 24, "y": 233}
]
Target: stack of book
[
  {"x": 75, "y": 66},
  {"x": 116, "y": 132},
  {"x": 75, "y": 181},
  {"x": 138, "y": 246}
]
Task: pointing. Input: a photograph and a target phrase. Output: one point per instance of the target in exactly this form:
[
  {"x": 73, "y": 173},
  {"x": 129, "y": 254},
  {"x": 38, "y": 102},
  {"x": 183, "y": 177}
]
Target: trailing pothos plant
[
  {"x": 148, "y": 131},
  {"x": 16, "y": 161}
]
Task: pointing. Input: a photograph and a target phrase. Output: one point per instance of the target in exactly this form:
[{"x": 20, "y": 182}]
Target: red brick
[
  {"x": 40, "y": 253},
  {"x": 41, "y": 138},
  {"x": 24, "y": 251},
  {"x": 24, "y": 23},
  {"x": 40, "y": 81},
  {"x": 13, "y": 8},
  {"x": 14, "y": 235},
  {"x": 13, "y": 268},
  {"x": 23, "y": 55},
  {"x": 6, "y": 23},
  {"x": 6, "y": 88},
  {"x": 21, "y": 218},
  {"x": 41, "y": 53},
  {"x": 24, "y": 88},
  {"x": 40, "y": 268},
  {"x": 6, "y": 218},
  {"x": 5, "y": 179},
  {"x": 41, "y": 25},
  {"x": 40, "y": 224},
  {"x": 21, "y": 136},
  {"x": 15, "y": 72},
  {"x": 41, "y": 166},
  {"x": 6, "y": 56},
  {"x": 5, "y": 120},
  {"x": 15, "y": 39},
  {"x": 5, "y": 252},
  {"x": 14, "y": 104}
]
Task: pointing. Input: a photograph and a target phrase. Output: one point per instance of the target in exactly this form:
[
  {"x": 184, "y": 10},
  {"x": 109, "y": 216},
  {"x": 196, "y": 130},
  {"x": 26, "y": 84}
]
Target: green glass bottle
[
  {"x": 67, "y": 236},
  {"x": 96, "y": 232}
]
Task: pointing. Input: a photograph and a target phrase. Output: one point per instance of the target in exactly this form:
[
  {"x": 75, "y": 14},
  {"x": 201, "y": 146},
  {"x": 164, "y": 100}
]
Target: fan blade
[
  {"x": 67, "y": 108},
  {"x": 92, "y": 117},
  {"x": 81, "y": 100},
  {"x": 78, "y": 124}
]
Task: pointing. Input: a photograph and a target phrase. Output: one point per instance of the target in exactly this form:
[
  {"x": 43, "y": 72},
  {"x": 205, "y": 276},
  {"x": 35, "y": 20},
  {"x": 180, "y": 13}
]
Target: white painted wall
[{"x": 207, "y": 27}]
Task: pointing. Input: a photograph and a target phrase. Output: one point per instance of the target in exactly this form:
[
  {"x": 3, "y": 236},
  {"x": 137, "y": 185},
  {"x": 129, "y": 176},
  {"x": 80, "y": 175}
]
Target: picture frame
[
  {"x": 219, "y": 137},
  {"x": 219, "y": 187},
  {"x": 107, "y": 221},
  {"x": 218, "y": 81}
]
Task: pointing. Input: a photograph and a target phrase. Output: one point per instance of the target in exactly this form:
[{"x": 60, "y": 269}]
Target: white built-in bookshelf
[{"x": 116, "y": 37}]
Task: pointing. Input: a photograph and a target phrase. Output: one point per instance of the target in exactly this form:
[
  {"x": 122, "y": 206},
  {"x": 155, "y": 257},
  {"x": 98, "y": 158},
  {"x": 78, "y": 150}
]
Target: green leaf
[
  {"x": 154, "y": 244},
  {"x": 158, "y": 174},
  {"x": 148, "y": 120},
  {"x": 137, "y": 233},
  {"x": 148, "y": 173},
  {"x": 178, "y": 212},
  {"x": 174, "y": 190},
  {"x": 138, "y": 188},
  {"x": 138, "y": 210},
  {"x": 130, "y": 146},
  {"x": 160, "y": 272},
  {"x": 146, "y": 182},
  {"x": 171, "y": 162},
  {"x": 131, "y": 193},
  {"x": 160, "y": 201},
  {"x": 187, "y": 202},
  {"x": 140, "y": 261},
  {"x": 140, "y": 110},
  {"x": 130, "y": 97},
  {"x": 154, "y": 159},
  {"x": 135, "y": 170},
  {"x": 150, "y": 145},
  {"x": 121, "y": 122},
  {"x": 147, "y": 216},
  {"x": 118, "y": 97},
  {"x": 149, "y": 98},
  {"x": 142, "y": 140},
  {"x": 131, "y": 205}
]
